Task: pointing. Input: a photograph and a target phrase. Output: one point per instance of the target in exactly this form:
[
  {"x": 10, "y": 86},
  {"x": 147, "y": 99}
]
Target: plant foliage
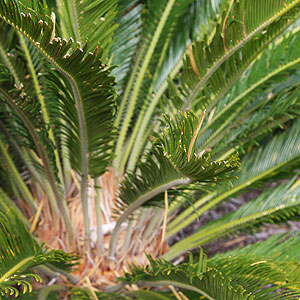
[{"x": 125, "y": 122}]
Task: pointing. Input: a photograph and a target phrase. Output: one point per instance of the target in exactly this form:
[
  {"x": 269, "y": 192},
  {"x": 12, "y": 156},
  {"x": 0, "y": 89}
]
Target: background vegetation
[{"x": 123, "y": 123}]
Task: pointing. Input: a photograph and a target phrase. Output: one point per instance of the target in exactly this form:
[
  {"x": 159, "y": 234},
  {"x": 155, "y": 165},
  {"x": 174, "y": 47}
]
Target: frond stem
[
  {"x": 146, "y": 118},
  {"x": 75, "y": 20},
  {"x": 10, "y": 66},
  {"x": 41, "y": 100},
  {"x": 45, "y": 161},
  {"x": 143, "y": 199},
  {"x": 17, "y": 178},
  {"x": 177, "y": 284},
  {"x": 220, "y": 198},
  {"x": 16, "y": 268},
  {"x": 228, "y": 107}
]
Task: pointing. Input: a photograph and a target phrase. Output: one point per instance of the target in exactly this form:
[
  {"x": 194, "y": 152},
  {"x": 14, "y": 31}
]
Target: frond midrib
[{"x": 233, "y": 50}]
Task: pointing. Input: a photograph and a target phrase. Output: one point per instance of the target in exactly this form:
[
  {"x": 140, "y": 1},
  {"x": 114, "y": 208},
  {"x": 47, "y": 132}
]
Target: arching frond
[
  {"x": 243, "y": 28},
  {"x": 20, "y": 253},
  {"x": 86, "y": 91},
  {"x": 275, "y": 205},
  {"x": 261, "y": 117},
  {"x": 279, "y": 253},
  {"x": 166, "y": 168},
  {"x": 173, "y": 160},
  {"x": 277, "y": 63},
  {"x": 178, "y": 142},
  {"x": 159, "y": 30},
  {"x": 208, "y": 283},
  {"x": 276, "y": 160}
]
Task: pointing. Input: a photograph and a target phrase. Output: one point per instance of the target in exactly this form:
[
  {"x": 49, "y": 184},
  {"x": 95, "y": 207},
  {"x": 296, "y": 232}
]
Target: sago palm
[{"x": 123, "y": 122}]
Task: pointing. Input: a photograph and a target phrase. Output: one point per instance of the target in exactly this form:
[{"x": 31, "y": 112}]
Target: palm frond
[
  {"x": 126, "y": 40},
  {"x": 279, "y": 253},
  {"x": 27, "y": 111},
  {"x": 240, "y": 28},
  {"x": 20, "y": 253},
  {"x": 178, "y": 143},
  {"x": 93, "y": 92},
  {"x": 168, "y": 166},
  {"x": 279, "y": 248},
  {"x": 276, "y": 63},
  {"x": 87, "y": 91},
  {"x": 272, "y": 206},
  {"x": 261, "y": 117},
  {"x": 276, "y": 160},
  {"x": 196, "y": 277},
  {"x": 163, "y": 67},
  {"x": 160, "y": 20},
  {"x": 100, "y": 27}
]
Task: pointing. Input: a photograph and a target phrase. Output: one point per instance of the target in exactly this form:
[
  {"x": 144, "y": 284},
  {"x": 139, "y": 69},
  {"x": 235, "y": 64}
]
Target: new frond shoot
[{"x": 179, "y": 145}]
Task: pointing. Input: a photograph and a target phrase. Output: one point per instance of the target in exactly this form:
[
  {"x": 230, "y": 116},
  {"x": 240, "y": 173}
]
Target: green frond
[
  {"x": 169, "y": 162},
  {"x": 272, "y": 206},
  {"x": 277, "y": 63},
  {"x": 263, "y": 116},
  {"x": 160, "y": 22},
  {"x": 151, "y": 174},
  {"x": 95, "y": 21},
  {"x": 32, "y": 127},
  {"x": 244, "y": 29},
  {"x": 10, "y": 57},
  {"x": 189, "y": 276},
  {"x": 28, "y": 113},
  {"x": 279, "y": 254},
  {"x": 20, "y": 253},
  {"x": 126, "y": 40},
  {"x": 178, "y": 143},
  {"x": 12, "y": 172},
  {"x": 169, "y": 167},
  {"x": 93, "y": 95},
  {"x": 243, "y": 276},
  {"x": 279, "y": 248},
  {"x": 276, "y": 160}
]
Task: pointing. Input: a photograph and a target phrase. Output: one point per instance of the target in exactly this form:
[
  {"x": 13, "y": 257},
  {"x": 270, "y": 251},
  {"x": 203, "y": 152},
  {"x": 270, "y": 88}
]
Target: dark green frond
[
  {"x": 28, "y": 113},
  {"x": 257, "y": 91},
  {"x": 279, "y": 254},
  {"x": 93, "y": 94},
  {"x": 272, "y": 206},
  {"x": 150, "y": 175},
  {"x": 170, "y": 161},
  {"x": 126, "y": 40}
]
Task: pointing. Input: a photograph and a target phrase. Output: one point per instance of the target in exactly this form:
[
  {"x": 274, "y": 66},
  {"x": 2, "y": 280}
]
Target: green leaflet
[
  {"x": 87, "y": 90},
  {"x": 237, "y": 36},
  {"x": 20, "y": 252},
  {"x": 276, "y": 159}
]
